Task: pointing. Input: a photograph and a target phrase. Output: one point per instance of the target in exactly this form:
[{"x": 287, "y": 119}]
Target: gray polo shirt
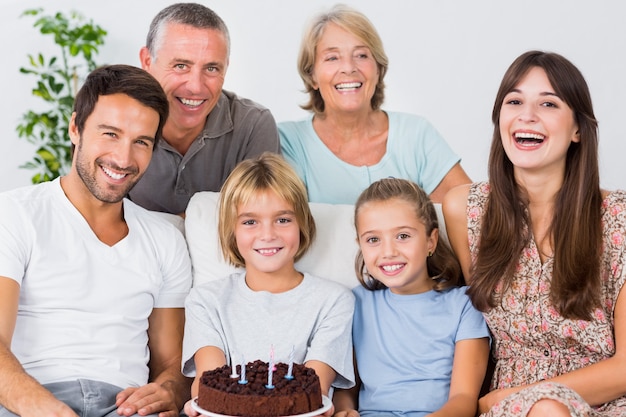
[{"x": 236, "y": 129}]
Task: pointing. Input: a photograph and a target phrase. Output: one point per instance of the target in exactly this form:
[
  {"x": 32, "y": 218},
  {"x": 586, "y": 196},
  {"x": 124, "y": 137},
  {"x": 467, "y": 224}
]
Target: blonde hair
[
  {"x": 442, "y": 265},
  {"x": 354, "y": 22},
  {"x": 267, "y": 172}
]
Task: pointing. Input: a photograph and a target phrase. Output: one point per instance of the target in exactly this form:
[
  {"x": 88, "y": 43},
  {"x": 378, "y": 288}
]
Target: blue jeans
[{"x": 86, "y": 397}]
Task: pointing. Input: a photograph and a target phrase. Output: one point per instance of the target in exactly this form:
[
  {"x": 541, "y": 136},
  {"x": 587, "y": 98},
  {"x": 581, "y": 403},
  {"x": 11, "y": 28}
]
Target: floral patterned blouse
[{"x": 532, "y": 341}]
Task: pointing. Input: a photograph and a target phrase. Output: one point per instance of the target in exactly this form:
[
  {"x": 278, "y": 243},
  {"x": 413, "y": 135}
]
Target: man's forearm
[
  {"x": 173, "y": 380},
  {"x": 18, "y": 389}
]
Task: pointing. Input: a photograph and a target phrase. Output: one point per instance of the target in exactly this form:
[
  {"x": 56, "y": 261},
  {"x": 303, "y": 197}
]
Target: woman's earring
[{"x": 430, "y": 253}]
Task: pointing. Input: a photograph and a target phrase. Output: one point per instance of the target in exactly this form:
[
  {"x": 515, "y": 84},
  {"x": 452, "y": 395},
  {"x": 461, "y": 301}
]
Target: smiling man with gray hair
[{"x": 209, "y": 130}]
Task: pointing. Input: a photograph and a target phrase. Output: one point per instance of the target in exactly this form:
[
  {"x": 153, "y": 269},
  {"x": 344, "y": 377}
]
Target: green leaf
[
  {"x": 31, "y": 12},
  {"x": 31, "y": 59},
  {"x": 77, "y": 42},
  {"x": 74, "y": 49},
  {"x": 45, "y": 154}
]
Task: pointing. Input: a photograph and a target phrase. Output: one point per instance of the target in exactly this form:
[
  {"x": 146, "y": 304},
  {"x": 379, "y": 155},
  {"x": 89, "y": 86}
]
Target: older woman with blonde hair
[{"x": 349, "y": 141}]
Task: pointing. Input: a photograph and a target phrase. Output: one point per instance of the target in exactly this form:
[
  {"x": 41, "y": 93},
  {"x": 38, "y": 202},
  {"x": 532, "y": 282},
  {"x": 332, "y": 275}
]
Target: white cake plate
[{"x": 326, "y": 404}]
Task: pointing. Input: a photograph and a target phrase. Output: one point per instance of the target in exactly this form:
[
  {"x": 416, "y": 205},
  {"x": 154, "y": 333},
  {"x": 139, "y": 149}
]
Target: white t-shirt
[
  {"x": 314, "y": 318},
  {"x": 84, "y": 306}
]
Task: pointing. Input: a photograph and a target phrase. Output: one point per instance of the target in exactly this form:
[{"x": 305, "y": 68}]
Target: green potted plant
[{"x": 57, "y": 80}]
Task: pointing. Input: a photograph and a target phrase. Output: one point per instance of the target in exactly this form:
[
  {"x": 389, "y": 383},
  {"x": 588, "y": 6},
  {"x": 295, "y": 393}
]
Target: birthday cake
[{"x": 220, "y": 392}]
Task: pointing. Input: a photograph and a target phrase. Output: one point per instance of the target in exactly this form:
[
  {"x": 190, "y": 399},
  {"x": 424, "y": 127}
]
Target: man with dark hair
[
  {"x": 92, "y": 286},
  {"x": 209, "y": 130}
]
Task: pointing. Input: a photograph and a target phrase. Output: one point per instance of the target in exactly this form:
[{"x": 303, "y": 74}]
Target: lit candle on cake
[
  {"x": 242, "y": 380},
  {"x": 290, "y": 369}
]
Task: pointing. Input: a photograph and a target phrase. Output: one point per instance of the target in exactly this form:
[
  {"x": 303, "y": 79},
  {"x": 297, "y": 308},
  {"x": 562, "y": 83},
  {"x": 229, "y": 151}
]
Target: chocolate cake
[{"x": 220, "y": 393}]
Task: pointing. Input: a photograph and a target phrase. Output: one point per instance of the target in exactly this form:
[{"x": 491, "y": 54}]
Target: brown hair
[
  {"x": 267, "y": 172},
  {"x": 120, "y": 79},
  {"x": 576, "y": 227},
  {"x": 443, "y": 267},
  {"x": 354, "y": 22}
]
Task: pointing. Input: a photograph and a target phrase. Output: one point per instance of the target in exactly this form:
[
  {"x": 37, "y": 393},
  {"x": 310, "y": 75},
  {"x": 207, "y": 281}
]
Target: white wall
[{"x": 446, "y": 60}]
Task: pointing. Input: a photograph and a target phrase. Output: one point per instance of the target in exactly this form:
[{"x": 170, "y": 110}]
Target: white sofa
[{"x": 331, "y": 255}]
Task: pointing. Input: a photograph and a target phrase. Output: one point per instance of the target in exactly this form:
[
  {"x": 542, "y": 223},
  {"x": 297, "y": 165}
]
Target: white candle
[
  {"x": 242, "y": 380},
  {"x": 290, "y": 369},
  {"x": 233, "y": 369},
  {"x": 270, "y": 370}
]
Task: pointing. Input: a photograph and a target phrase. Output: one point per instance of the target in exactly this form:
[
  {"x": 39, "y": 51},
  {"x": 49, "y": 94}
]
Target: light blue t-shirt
[
  {"x": 404, "y": 346},
  {"x": 415, "y": 151}
]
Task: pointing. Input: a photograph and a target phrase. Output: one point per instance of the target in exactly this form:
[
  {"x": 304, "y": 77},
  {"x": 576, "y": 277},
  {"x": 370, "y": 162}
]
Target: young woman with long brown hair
[{"x": 542, "y": 247}]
